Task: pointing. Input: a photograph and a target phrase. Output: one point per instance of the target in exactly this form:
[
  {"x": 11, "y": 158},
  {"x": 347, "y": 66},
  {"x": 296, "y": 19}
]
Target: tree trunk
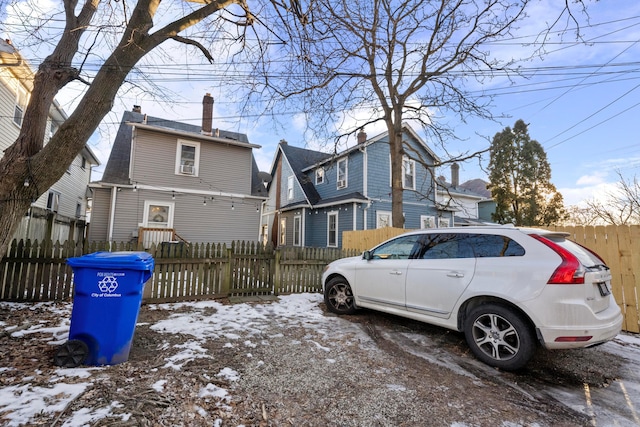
[
  {"x": 26, "y": 161},
  {"x": 397, "y": 152}
]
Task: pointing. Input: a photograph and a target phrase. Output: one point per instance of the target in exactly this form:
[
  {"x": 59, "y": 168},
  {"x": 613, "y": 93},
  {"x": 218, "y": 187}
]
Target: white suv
[{"x": 505, "y": 287}]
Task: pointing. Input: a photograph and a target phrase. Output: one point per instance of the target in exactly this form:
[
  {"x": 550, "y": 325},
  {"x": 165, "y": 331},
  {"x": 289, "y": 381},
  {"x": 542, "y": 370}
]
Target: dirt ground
[{"x": 373, "y": 382}]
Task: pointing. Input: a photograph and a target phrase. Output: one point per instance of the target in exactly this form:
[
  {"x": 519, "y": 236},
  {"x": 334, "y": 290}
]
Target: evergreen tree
[{"x": 520, "y": 180}]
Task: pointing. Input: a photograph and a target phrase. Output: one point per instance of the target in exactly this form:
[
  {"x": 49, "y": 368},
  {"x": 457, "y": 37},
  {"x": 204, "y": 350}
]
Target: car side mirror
[{"x": 367, "y": 255}]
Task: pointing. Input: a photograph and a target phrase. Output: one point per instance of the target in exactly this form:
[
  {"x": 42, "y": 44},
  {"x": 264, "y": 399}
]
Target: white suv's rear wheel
[{"x": 499, "y": 336}]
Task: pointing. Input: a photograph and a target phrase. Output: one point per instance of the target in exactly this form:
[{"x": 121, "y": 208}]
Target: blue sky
[{"x": 581, "y": 103}]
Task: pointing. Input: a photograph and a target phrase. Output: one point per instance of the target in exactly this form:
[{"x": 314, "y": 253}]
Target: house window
[
  {"x": 84, "y": 163},
  {"x": 408, "y": 173},
  {"x": 78, "y": 210},
  {"x": 297, "y": 230},
  {"x": 265, "y": 234},
  {"x": 427, "y": 221},
  {"x": 342, "y": 173},
  {"x": 53, "y": 128},
  {"x": 53, "y": 201},
  {"x": 443, "y": 222},
  {"x": 290, "y": 188},
  {"x": 283, "y": 231},
  {"x": 187, "y": 158},
  {"x": 332, "y": 229},
  {"x": 383, "y": 219},
  {"x": 319, "y": 176},
  {"x": 21, "y": 105},
  {"x": 158, "y": 214}
]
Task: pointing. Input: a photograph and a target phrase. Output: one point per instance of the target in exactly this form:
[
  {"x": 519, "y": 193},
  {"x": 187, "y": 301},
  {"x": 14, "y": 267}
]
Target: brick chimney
[
  {"x": 207, "y": 114},
  {"x": 455, "y": 174},
  {"x": 362, "y": 136}
]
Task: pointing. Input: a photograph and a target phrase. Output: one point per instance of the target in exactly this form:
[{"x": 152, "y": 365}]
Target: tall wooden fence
[
  {"x": 37, "y": 271},
  {"x": 618, "y": 245}
]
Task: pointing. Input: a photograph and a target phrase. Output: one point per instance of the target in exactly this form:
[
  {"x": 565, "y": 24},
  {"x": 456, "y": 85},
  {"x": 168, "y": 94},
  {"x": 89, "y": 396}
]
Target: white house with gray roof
[{"x": 167, "y": 181}]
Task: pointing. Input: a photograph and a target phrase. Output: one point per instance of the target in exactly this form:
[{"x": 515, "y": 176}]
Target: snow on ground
[
  {"x": 243, "y": 326},
  {"x": 20, "y": 404}
]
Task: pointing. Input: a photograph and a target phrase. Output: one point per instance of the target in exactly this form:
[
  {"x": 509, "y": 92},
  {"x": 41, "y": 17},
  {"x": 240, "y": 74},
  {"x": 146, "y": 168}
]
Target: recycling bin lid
[{"x": 128, "y": 260}]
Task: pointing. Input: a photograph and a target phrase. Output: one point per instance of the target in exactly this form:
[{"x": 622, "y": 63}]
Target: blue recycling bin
[{"x": 106, "y": 303}]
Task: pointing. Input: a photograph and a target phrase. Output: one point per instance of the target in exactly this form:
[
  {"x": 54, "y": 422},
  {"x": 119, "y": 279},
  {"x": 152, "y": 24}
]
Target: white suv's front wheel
[
  {"x": 339, "y": 297},
  {"x": 499, "y": 336}
]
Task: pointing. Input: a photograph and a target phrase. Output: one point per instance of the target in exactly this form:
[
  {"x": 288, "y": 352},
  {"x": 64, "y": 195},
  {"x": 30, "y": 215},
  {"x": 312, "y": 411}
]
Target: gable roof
[
  {"x": 117, "y": 169},
  {"x": 302, "y": 160},
  {"x": 299, "y": 159}
]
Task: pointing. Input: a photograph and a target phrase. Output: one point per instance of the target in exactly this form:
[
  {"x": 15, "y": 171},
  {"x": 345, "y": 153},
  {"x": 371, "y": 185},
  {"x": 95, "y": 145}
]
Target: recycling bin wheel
[{"x": 71, "y": 354}]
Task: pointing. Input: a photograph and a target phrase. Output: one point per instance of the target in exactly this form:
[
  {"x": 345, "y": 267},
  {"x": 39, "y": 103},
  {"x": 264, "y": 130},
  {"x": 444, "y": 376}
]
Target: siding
[
  {"x": 222, "y": 167},
  {"x": 99, "y": 221},
  {"x": 8, "y": 129},
  {"x": 298, "y": 194}
]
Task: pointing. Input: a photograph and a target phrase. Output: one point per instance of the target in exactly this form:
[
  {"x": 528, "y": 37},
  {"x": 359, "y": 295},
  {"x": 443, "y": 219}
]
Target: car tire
[
  {"x": 338, "y": 296},
  {"x": 499, "y": 336}
]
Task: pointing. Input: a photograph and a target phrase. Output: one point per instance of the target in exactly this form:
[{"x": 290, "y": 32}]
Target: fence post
[
  {"x": 227, "y": 276},
  {"x": 277, "y": 281}
]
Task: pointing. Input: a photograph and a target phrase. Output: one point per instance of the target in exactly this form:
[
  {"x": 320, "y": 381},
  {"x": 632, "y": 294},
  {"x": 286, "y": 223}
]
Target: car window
[
  {"x": 493, "y": 245},
  {"x": 400, "y": 248},
  {"x": 444, "y": 246}
]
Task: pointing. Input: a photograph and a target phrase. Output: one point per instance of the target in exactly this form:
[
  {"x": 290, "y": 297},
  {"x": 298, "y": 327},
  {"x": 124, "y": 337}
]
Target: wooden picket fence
[
  {"x": 37, "y": 271},
  {"x": 618, "y": 245}
]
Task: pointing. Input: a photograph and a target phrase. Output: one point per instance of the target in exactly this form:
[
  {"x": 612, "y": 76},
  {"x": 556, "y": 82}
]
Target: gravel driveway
[{"x": 289, "y": 362}]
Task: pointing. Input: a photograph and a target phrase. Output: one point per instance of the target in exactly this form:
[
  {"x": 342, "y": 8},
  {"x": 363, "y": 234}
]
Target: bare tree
[
  {"x": 400, "y": 60},
  {"x": 619, "y": 207},
  {"x": 141, "y": 27}
]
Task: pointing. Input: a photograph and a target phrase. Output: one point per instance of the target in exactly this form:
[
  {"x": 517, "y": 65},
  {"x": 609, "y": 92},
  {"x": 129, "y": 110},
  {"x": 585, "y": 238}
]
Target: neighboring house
[
  {"x": 60, "y": 212},
  {"x": 315, "y": 196},
  {"x": 167, "y": 181},
  {"x": 470, "y": 201}
]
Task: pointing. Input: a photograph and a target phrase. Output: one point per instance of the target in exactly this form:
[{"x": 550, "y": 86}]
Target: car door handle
[
  {"x": 396, "y": 273},
  {"x": 455, "y": 274}
]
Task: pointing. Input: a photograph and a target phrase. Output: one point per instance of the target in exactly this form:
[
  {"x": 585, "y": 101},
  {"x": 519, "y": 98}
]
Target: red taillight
[
  {"x": 573, "y": 339},
  {"x": 570, "y": 271}
]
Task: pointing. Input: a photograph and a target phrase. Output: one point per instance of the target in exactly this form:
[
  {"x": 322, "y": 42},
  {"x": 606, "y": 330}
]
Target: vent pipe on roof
[{"x": 207, "y": 114}]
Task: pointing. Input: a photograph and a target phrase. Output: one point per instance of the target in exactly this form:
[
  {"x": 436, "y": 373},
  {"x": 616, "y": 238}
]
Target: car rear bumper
[{"x": 561, "y": 338}]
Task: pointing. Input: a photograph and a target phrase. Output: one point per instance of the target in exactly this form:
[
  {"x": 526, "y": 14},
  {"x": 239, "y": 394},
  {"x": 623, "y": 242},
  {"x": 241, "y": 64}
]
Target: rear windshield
[{"x": 585, "y": 257}]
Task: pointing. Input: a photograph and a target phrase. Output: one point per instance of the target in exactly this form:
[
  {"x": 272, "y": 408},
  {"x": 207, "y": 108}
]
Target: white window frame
[
  {"x": 342, "y": 173},
  {"x": 283, "y": 231},
  {"x": 383, "y": 219},
  {"x": 53, "y": 200},
  {"x": 290, "y": 188},
  {"x": 297, "y": 230},
  {"x": 331, "y": 215},
  {"x": 22, "y": 99},
  {"x": 148, "y": 204},
  {"x": 183, "y": 169},
  {"x": 427, "y": 221},
  {"x": 443, "y": 222},
  {"x": 53, "y": 128},
  {"x": 408, "y": 163},
  {"x": 320, "y": 176}
]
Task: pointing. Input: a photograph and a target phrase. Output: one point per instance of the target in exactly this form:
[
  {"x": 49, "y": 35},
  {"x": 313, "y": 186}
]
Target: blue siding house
[{"x": 314, "y": 196}]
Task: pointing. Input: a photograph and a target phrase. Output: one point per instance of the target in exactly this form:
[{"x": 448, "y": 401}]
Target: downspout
[
  {"x": 365, "y": 185},
  {"x": 355, "y": 216},
  {"x": 302, "y": 225},
  {"x": 112, "y": 213}
]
